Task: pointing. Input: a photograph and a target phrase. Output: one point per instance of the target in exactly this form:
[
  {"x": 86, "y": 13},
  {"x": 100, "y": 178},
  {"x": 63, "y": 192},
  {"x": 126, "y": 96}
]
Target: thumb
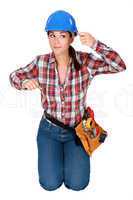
[{"x": 40, "y": 87}]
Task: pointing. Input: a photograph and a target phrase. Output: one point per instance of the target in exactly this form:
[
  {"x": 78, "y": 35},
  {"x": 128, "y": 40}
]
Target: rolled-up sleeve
[
  {"x": 30, "y": 71},
  {"x": 108, "y": 61}
]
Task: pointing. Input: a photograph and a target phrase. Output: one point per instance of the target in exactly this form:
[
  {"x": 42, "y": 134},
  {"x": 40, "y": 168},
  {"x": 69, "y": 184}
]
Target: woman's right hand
[{"x": 30, "y": 84}]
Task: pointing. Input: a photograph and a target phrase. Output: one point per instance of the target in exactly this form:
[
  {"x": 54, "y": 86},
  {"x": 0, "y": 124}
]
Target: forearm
[
  {"x": 18, "y": 76},
  {"x": 15, "y": 81},
  {"x": 109, "y": 56}
]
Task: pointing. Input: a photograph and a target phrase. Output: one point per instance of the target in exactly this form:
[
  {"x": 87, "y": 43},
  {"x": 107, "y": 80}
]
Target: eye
[
  {"x": 63, "y": 36},
  {"x": 51, "y": 35}
]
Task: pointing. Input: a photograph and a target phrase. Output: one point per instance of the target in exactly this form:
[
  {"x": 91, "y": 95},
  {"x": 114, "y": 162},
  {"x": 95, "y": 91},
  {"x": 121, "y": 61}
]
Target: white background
[{"x": 111, "y": 96}]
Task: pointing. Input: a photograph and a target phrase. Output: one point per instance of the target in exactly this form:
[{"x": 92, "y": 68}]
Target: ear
[{"x": 72, "y": 39}]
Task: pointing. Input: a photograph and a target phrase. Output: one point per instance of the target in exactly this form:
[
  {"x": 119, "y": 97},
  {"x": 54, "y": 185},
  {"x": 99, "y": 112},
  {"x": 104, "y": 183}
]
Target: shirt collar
[{"x": 52, "y": 57}]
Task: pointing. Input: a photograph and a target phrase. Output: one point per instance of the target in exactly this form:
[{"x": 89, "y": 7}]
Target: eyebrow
[
  {"x": 59, "y": 32},
  {"x": 62, "y": 32}
]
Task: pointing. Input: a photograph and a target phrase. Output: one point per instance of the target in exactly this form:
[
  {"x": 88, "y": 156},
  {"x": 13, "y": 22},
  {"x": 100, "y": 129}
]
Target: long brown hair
[{"x": 72, "y": 53}]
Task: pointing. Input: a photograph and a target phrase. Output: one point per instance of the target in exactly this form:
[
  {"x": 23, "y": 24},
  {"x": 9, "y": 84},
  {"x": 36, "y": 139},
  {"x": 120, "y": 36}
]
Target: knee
[
  {"x": 50, "y": 186},
  {"x": 76, "y": 186}
]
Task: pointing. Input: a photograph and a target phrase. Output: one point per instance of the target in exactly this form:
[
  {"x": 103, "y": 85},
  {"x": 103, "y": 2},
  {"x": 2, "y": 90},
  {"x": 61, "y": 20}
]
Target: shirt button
[
  {"x": 62, "y": 114},
  {"x": 62, "y": 98}
]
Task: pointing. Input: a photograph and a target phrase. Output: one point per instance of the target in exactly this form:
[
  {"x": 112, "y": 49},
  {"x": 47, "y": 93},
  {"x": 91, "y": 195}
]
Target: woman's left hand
[{"x": 87, "y": 39}]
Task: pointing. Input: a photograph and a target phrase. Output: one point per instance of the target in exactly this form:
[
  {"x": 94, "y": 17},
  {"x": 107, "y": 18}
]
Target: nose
[{"x": 57, "y": 40}]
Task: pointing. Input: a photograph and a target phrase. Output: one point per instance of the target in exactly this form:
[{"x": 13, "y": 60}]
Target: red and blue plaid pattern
[{"x": 67, "y": 103}]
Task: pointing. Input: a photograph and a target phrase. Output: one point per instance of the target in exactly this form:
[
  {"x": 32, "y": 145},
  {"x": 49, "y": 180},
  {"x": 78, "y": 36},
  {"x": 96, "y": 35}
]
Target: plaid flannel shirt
[{"x": 67, "y": 102}]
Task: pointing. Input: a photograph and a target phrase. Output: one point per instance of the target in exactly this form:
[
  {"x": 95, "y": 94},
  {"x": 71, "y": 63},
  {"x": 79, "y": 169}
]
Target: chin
[{"x": 58, "y": 51}]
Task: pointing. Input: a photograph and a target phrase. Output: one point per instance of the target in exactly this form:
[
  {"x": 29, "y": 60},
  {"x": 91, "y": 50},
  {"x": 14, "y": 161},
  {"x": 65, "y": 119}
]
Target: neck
[{"x": 62, "y": 60}]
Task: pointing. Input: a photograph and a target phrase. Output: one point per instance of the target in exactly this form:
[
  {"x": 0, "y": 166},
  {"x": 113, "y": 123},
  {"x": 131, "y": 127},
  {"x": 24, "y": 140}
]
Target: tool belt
[
  {"x": 88, "y": 133},
  {"x": 91, "y": 134},
  {"x": 57, "y": 122}
]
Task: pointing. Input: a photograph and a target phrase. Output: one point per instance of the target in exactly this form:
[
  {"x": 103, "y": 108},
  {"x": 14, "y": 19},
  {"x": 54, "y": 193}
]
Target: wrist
[
  {"x": 94, "y": 44},
  {"x": 23, "y": 82}
]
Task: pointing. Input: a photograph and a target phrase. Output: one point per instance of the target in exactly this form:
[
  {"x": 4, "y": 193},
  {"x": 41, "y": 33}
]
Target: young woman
[{"x": 63, "y": 76}]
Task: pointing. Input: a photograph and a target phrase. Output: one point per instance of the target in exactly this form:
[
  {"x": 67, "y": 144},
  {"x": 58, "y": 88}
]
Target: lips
[{"x": 57, "y": 47}]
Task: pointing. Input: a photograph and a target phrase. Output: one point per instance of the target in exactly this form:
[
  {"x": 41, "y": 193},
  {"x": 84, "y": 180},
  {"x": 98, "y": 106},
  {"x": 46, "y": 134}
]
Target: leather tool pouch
[{"x": 90, "y": 133}]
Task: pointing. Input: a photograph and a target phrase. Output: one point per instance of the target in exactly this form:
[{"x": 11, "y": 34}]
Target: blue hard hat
[{"x": 62, "y": 21}]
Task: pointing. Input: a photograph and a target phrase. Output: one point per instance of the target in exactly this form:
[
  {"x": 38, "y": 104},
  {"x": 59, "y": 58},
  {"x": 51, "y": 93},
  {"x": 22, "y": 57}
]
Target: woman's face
[{"x": 59, "y": 41}]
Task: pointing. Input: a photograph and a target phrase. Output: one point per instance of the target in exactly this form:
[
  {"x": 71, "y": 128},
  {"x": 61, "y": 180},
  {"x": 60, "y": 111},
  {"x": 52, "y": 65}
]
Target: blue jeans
[{"x": 60, "y": 159}]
